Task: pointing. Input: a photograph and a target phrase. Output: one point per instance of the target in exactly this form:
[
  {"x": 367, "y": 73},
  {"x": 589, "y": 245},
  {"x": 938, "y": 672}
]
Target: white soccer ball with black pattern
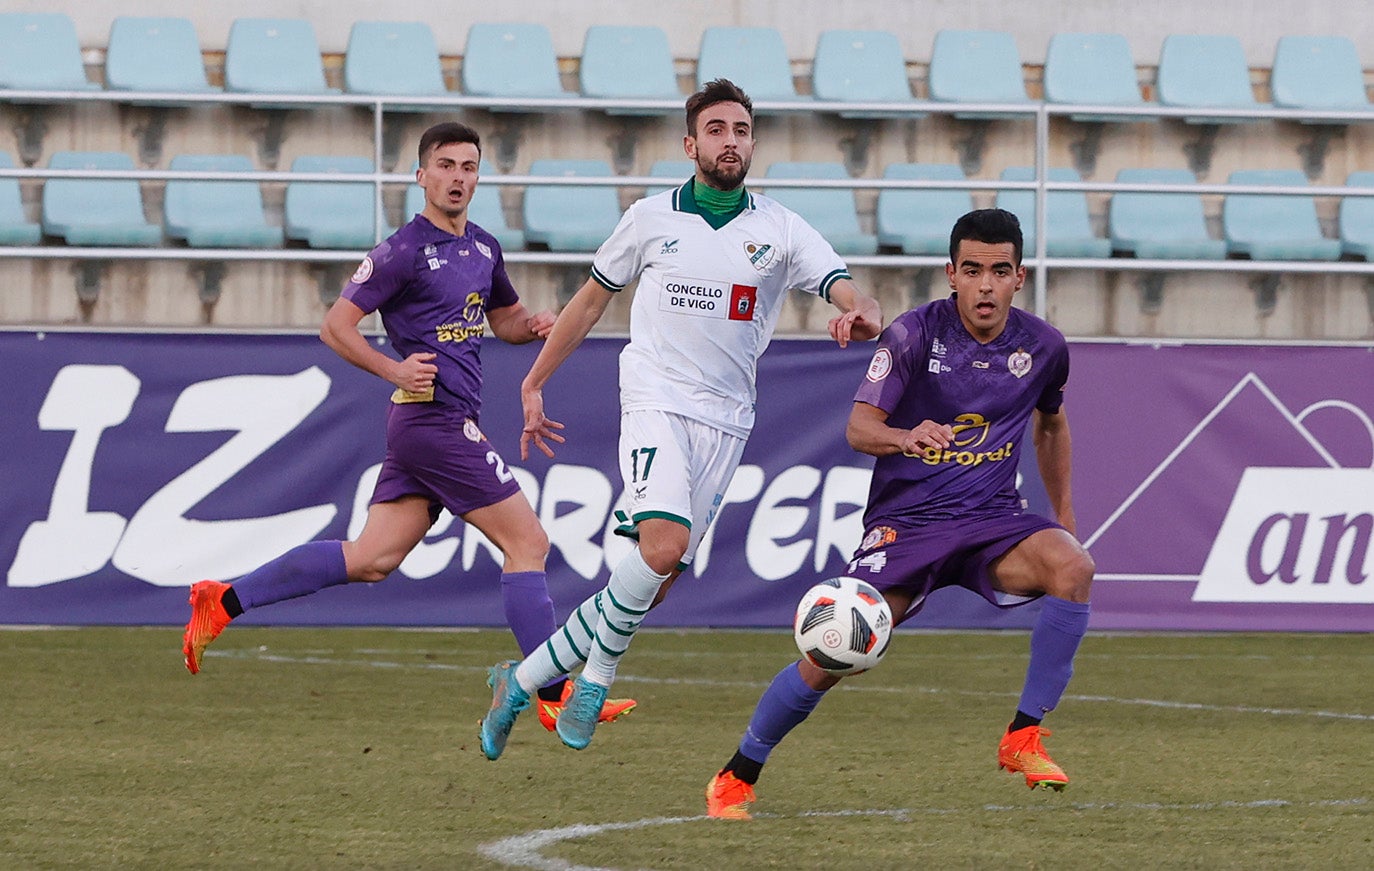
[{"x": 843, "y": 626}]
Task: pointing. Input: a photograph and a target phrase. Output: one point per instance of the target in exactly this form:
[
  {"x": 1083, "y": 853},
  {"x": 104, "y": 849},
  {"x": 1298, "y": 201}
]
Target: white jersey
[{"x": 708, "y": 299}]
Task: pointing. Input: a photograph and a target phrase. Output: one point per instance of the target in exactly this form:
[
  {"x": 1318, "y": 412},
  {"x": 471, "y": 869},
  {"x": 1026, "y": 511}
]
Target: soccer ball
[{"x": 843, "y": 626}]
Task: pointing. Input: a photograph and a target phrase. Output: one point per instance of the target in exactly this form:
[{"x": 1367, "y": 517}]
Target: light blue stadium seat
[
  {"x": 976, "y": 66},
  {"x": 15, "y": 227},
  {"x": 919, "y": 221},
  {"x": 510, "y": 61},
  {"x": 274, "y": 56},
  {"x": 390, "y": 58},
  {"x": 629, "y": 62},
  {"x": 1092, "y": 68},
  {"x": 485, "y": 210},
  {"x": 1274, "y": 226},
  {"x": 1317, "y": 72},
  {"x": 1066, "y": 212},
  {"x": 331, "y": 214},
  {"x": 754, "y": 58},
  {"x": 40, "y": 52},
  {"x": 678, "y": 170},
  {"x": 1202, "y": 71},
  {"x": 155, "y": 54},
  {"x": 1166, "y": 226},
  {"x": 861, "y": 66},
  {"x": 1357, "y": 218},
  {"x": 96, "y": 211},
  {"x": 570, "y": 218},
  {"x": 831, "y": 211},
  {"x": 217, "y": 214}
]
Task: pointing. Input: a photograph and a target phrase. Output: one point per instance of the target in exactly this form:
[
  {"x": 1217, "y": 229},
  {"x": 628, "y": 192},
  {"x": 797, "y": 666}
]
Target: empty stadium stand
[
  {"x": 332, "y": 214},
  {"x": 918, "y": 221},
  {"x": 217, "y": 214},
  {"x": 570, "y": 217},
  {"x": 96, "y": 211},
  {"x": 831, "y": 211},
  {"x": 1066, "y": 213}
]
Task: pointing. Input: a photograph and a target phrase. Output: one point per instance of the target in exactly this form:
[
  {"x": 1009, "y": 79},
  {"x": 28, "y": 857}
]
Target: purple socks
[
  {"x": 781, "y": 708},
  {"x": 298, "y": 572},
  {"x": 1054, "y": 641}
]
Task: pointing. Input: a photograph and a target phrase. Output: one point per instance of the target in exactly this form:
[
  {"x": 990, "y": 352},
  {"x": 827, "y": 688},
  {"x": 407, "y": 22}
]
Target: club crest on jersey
[
  {"x": 485, "y": 251},
  {"x": 878, "y": 536},
  {"x": 759, "y": 255},
  {"x": 363, "y": 272},
  {"x": 471, "y": 431},
  {"x": 1019, "y": 364},
  {"x": 879, "y": 366}
]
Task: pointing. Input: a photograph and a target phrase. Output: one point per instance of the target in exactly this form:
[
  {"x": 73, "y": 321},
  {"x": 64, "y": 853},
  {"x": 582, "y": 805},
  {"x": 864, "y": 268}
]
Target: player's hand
[
  {"x": 415, "y": 373},
  {"x": 538, "y": 428},
  {"x": 927, "y": 434},
  {"x": 540, "y": 324},
  {"x": 860, "y": 324}
]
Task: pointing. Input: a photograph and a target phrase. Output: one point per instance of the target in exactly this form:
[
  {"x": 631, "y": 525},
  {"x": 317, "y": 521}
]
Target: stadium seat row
[
  {"x": 340, "y": 215},
  {"x": 39, "y": 51}
]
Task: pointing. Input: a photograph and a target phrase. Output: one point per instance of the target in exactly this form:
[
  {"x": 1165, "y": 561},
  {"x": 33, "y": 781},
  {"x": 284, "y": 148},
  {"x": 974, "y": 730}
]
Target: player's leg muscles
[
  {"x": 1049, "y": 562},
  {"x": 392, "y": 530},
  {"x": 513, "y": 527}
]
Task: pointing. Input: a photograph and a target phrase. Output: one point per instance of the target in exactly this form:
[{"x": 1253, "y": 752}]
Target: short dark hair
[
  {"x": 446, "y": 133},
  {"x": 711, "y": 93},
  {"x": 993, "y": 226}
]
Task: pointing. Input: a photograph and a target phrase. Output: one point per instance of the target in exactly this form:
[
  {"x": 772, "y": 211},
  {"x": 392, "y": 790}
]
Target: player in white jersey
[{"x": 713, "y": 263}]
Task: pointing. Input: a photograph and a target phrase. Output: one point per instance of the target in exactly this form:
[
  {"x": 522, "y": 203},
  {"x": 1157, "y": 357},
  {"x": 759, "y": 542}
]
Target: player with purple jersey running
[
  {"x": 437, "y": 282},
  {"x": 944, "y": 408}
]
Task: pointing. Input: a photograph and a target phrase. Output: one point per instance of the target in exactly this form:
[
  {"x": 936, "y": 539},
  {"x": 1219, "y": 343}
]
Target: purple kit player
[
  {"x": 944, "y": 407},
  {"x": 437, "y": 282}
]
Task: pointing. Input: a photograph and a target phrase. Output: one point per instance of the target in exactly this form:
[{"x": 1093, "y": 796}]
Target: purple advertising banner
[{"x": 1217, "y": 486}]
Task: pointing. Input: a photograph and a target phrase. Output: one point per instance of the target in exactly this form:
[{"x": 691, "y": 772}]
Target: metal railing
[{"x": 1039, "y": 112}]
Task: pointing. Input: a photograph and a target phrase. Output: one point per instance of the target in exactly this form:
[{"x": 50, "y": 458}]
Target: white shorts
[{"x": 674, "y": 468}]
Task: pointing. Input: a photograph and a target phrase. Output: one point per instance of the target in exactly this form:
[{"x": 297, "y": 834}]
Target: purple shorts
[
  {"x": 950, "y": 553},
  {"x": 435, "y": 452}
]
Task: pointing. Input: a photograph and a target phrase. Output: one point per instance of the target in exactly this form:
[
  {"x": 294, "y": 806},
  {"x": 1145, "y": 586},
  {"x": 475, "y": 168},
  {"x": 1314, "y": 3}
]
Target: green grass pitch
[{"x": 356, "y": 748}]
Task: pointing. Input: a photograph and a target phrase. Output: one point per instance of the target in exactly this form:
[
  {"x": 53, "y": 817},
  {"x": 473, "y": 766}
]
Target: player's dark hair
[
  {"x": 711, "y": 93},
  {"x": 447, "y": 133},
  {"x": 992, "y": 226}
]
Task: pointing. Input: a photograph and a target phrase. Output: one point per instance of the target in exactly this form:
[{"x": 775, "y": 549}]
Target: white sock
[{"x": 624, "y": 603}]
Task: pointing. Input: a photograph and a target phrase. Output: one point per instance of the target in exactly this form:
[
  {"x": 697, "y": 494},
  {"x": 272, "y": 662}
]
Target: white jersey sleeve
[
  {"x": 812, "y": 264},
  {"x": 620, "y": 258}
]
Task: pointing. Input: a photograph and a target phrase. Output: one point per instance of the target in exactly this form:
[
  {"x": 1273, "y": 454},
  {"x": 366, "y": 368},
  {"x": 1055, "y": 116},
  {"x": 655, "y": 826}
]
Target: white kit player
[{"x": 714, "y": 264}]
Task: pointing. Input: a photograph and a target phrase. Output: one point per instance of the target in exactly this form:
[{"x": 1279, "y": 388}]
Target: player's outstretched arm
[
  {"x": 515, "y": 324},
  {"x": 340, "y": 332},
  {"x": 572, "y": 326},
  {"x": 861, "y": 317},
  {"x": 1054, "y": 456}
]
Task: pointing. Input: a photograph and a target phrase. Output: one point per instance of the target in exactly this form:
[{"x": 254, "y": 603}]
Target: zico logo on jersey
[{"x": 708, "y": 298}]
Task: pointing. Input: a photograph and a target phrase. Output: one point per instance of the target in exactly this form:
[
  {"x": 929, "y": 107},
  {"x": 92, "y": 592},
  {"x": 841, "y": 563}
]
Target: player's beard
[{"x": 724, "y": 177}]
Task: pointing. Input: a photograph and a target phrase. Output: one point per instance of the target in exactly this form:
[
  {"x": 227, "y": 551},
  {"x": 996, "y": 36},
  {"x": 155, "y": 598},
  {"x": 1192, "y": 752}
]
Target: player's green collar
[{"x": 685, "y": 200}]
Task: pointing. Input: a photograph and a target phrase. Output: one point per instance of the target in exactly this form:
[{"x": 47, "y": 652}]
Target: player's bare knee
[{"x": 1072, "y": 575}]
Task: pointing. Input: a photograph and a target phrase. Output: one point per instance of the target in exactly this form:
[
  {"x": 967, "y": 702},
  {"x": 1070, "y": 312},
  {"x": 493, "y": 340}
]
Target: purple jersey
[
  {"x": 433, "y": 290},
  {"x": 928, "y": 366}
]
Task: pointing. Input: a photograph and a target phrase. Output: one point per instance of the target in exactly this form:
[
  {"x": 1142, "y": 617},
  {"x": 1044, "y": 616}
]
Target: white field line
[
  {"x": 525, "y": 851},
  {"x": 263, "y": 656}
]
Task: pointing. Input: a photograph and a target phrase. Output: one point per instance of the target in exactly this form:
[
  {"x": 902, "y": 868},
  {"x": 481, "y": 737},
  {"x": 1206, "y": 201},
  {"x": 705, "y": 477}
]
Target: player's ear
[{"x": 689, "y": 146}]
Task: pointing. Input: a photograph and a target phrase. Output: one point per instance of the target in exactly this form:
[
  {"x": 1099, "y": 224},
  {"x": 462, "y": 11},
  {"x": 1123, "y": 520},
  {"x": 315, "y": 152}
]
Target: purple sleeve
[
  {"x": 1052, "y": 397},
  {"x": 892, "y": 366},
  {"x": 502, "y": 291},
  {"x": 381, "y": 275}
]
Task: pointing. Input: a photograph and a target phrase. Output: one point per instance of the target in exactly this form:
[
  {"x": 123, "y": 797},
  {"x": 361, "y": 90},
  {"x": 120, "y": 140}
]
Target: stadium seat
[
  {"x": 1317, "y": 72},
  {"x": 155, "y": 54},
  {"x": 1065, "y": 211},
  {"x": 96, "y": 211},
  {"x": 754, "y": 58},
  {"x": 677, "y": 170},
  {"x": 1274, "y": 226},
  {"x": 976, "y": 66},
  {"x": 217, "y": 214},
  {"x": 831, "y": 211},
  {"x": 40, "y": 52},
  {"x": 567, "y": 217},
  {"x": 1202, "y": 71},
  {"x": 1165, "y": 226},
  {"x": 622, "y": 62},
  {"x": 1092, "y": 69},
  {"x": 510, "y": 61},
  {"x": 918, "y": 221},
  {"x": 274, "y": 55},
  {"x": 15, "y": 227},
  {"x": 485, "y": 210},
  {"x": 393, "y": 59},
  {"x": 332, "y": 214},
  {"x": 1357, "y": 218},
  {"x": 853, "y": 66}
]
